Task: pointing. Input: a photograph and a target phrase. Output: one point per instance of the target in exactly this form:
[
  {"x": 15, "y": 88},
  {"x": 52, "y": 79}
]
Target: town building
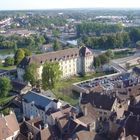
[
  {"x": 9, "y": 127},
  {"x": 38, "y": 105},
  {"x": 102, "y": 103},
  {"x": 34, "y": 129},
  {"x": 72, "y": 61}
]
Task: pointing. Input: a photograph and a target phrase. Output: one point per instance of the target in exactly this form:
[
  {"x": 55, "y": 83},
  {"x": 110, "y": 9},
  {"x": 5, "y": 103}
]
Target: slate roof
[
  {"x": 132, "y": 126},
  {"x": 39, "y": 100},
  {"x": 98, "y": 100}
]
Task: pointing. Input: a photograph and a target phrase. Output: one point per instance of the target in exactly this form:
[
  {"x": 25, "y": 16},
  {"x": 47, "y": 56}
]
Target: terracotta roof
[
  {"x": 12, "y": 122},
  {"x": 88, "y": 135},
  {"x": 45, "y": 134},
  {"x": 8, "y": 125},
  {"x": 50, "y": 56},
  {"x": 53, "y": 56},
  {"x": 5, "y": 132},
  {"x": 62, "y": 122}
]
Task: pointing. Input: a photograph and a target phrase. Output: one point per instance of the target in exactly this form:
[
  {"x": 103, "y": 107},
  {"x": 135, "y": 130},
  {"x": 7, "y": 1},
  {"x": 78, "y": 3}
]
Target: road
[{"x": 116, "y": 62}]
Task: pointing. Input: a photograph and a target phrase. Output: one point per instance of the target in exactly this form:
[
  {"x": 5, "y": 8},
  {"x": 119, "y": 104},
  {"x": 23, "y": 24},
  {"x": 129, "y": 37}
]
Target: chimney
[
  {"x": 11, "y": 112},
  {"x": 31, "y": 117},
  {"x": 85, "y": 111},
  {"x": 23, "y": 119},
  {"x": 45, "y": 125},
  {"x": 40, "y": 127}
]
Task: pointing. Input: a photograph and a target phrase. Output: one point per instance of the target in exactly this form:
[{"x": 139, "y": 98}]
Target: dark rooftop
[
  {"x": 99, "y": 100},
  {"x": 38, "y": 99}
]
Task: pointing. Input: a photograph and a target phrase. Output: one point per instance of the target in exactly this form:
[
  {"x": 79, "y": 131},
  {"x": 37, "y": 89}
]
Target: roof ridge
[{"x": 54, "y": 52}]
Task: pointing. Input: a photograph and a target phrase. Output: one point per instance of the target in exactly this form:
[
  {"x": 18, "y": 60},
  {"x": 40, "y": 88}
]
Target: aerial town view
[{"x": 69, "y": 70}]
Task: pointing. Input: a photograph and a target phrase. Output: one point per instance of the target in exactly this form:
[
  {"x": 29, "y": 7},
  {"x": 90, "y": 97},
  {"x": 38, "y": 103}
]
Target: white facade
[
  {"x": 69, "y": 65},
  {"x": 30, "y": 110}
]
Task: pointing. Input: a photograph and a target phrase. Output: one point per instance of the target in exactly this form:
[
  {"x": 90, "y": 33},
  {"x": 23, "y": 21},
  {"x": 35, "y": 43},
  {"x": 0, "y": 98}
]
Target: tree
[
  {"x": 19, "y": 55},
  {"x": 27, "y": 52},
  {"x": 97, "y": 62},
  {"x": 5, "y": 86},
  {"x": 56, "y": 45},
  {"x": 135, "y": 35},
  {"x": 109, "y": 53},
  {"x": 9, "y": 61},
  {"x": 51, "y": 75},
  {"x": 103, "y": 58},
  {"x": 56, "y": 32},
  {"x": 31, "y": 74}
]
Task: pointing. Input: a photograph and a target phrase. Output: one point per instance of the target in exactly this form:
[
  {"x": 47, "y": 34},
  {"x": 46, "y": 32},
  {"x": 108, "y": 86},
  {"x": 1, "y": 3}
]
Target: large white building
[{"x": 72, "y": 61}]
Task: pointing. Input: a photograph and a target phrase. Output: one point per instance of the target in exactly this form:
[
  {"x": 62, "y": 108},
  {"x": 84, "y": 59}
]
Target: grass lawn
[
  {"x": 7, "y": 68},
  {"x": 64, "y": 87},
  {"x": 121, "y": 54},
  {"x": 4, "y": 100},
  {"x": 6, "y": 51}
]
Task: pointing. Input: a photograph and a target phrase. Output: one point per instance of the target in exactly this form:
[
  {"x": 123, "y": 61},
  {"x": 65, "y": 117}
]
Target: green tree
[
  {"x": 56, "y": 45},
  {"x": 19, "y": 55},
  {"x": 5, "y": 86},
  {"x": 97, "y": 62},
  {"x": 109, "y": 53},
  {"x": 56, "y": 32},
  {"x": 104, "y": 58},
  {"x": 9, "y": 61},
  {"x": 135, "y": 35},
  {"x": 31, "y": 74},
  {"x": 51, "y": 75},
  {"x": 27, "y": 52}
]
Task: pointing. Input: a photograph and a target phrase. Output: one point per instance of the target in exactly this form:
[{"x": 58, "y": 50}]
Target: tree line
[
  {"x": 94, "y": 28},
  {"x": 103, "y": 36},
  {"x": 110, "y": 41},
  {"x": 15, "y": 41}
]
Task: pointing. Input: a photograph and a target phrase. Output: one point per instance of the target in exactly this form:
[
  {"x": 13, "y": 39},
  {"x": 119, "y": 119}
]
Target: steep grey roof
[
  {"x": 39, "y": 100},
  {"x": 84, "y": 51},
  {"x": 98, "y": 100}
]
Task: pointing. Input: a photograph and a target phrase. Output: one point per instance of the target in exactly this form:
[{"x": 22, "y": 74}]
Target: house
[
  {"x": 35, "y": 104},
  {"x": 35, "y": 129},
  {"x": 9, "y": 127},
  {"x": 20, "y": 87},
  {"x": 63, "y": 112},
  {"x": 102, "y": 103},
  {"x": 72, "y": 61}
]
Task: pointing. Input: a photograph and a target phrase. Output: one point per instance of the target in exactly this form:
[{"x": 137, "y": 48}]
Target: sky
[{"x": 60, "y": 4}]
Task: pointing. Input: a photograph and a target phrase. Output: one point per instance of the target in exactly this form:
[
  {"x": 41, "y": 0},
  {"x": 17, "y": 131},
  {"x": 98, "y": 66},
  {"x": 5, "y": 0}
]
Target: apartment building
[{"x": 72, "y": 61}]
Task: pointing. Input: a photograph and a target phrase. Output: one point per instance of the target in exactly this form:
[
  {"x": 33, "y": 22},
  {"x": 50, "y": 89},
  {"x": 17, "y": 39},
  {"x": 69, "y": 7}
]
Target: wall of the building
[
  {"x": 20, "y": 73},
  {"x": 69, "y": 67},
  {"x": 30, "y": 110}
]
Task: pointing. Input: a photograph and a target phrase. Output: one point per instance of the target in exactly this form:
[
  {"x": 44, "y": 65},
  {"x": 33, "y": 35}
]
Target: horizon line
[{"x": 91, "y": 8}]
